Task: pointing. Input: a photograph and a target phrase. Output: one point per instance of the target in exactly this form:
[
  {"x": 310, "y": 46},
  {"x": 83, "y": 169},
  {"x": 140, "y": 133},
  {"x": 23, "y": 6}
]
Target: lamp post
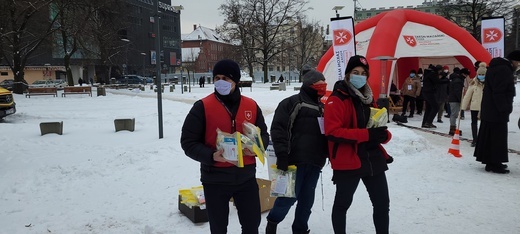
[
  {"x": 337, "y": 8},
  {"x": 382, "y": 101},
  {"x": 158, "y": 68}
]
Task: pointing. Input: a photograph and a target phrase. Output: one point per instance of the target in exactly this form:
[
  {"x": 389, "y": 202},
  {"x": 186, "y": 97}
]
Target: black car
[
  {"x": 131, "y": 79},
  {"x": 7, "y": 84}
]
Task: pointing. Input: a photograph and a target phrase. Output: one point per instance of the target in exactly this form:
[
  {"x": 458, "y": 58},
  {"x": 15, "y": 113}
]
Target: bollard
[
  {"x": 124, "y": 124},
  {"x": 51, "y": 127},
  {"x": 101, "y": 91},
  {"x": 172, "y": 88}
]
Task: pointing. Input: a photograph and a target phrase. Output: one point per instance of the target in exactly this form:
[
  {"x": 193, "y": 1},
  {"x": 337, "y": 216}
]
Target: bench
[
  {"x": 51, "y": 127},
  {"x": 249, "y": 84},
  {"x": 41, "y": 91},
  {"x": 393, "y": 107},
  {"x": 77, "y": 90}
]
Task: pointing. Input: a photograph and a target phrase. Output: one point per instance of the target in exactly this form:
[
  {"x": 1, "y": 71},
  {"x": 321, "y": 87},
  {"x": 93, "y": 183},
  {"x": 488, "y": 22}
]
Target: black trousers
[
  {"x": 247, "y": 202},
  {"x": 419, "y": 102},
  {"x": 474, "y": 125},
  {"x": 408, "y": 100},
  {"x": 377, "y": 188},
  {"x": 432, "y": 107}
]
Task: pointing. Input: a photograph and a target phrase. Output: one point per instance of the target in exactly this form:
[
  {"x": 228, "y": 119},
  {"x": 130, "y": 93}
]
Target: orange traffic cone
[{"x": 455, "y": 142}]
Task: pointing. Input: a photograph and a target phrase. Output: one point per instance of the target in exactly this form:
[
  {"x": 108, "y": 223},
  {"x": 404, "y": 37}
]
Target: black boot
[
  {"x": 497, "y": 168},
  {"x": 271, "y": 227},
  {"x": 452, "y": 130}
]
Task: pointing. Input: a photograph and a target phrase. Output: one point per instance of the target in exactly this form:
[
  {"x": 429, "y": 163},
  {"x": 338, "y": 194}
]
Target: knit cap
[
  {"x": 229, "y": 68},
  {"x": 482, "y": 68},
  {"x": 356, "y": 61},
  {"x": 312, "y": 76}
]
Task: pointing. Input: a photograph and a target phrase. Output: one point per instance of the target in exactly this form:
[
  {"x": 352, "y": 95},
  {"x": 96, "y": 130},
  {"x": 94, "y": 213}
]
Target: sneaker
[{"x": 439, "y": 121}]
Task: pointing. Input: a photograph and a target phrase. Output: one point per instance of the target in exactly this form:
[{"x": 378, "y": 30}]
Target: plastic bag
[
  {"x": 283, "y": 182},
  {"x": 378, "y": 117},
  {"x": 253, "y": 133},
  {"x": 247, "y": 143},
  {"x": 193, "y": 196},
  {"x": 232, "y": 145}
]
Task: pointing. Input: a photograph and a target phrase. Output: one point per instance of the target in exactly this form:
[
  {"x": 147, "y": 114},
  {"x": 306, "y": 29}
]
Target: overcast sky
[{"x": 206, "y": 12}]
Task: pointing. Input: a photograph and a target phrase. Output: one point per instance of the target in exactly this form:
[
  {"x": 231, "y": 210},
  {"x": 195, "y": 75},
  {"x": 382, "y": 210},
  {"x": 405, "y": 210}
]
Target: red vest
[{"x": 217, "y": 116}]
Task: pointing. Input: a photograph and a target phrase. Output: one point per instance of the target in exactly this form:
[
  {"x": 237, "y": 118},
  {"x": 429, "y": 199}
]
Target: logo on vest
[{"x": 249, "y": 115}]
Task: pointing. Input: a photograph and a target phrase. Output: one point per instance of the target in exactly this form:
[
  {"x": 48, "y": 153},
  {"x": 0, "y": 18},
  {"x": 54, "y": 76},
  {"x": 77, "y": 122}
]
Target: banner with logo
[
  {"x": 343, "y": 43},
  {"x": 492, "y": 35},
  {"x": 153, "y": 57}
]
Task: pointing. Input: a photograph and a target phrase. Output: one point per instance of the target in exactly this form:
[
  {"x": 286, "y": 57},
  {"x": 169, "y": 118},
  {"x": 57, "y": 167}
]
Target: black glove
[
  {"x": 390, "y": 159},
  {"x": 378, "y": 135},
  {"x": 282, "y": 163}
]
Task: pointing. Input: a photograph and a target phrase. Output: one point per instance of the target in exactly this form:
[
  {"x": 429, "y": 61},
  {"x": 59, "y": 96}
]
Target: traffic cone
[{"x": 455, "y": 143}]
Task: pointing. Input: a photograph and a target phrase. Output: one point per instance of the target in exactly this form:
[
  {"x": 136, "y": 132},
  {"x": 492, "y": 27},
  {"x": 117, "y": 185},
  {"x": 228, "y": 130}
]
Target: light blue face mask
[
  {"x": 358, "y": 81},
  {"x": 223, "y": 87},
  {"x": 481, "y": 77},
  {"x": 412, "y": 75}
]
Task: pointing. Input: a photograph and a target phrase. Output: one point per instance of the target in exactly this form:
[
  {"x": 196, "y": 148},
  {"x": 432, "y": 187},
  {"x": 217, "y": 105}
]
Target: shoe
[
  {"x": 410, "y": 116},
  {"x": 419, "y": 113},
  {"x": 432, "y": 126},
  {"x": 425, "y": 125},
  {"x": 462, "y": 118},
  {"x": 447, "y": 116},
  {"x": 473, "y": 144},
  {"x": 497, "y": 168},
  {"x": 439, "y": 121}
]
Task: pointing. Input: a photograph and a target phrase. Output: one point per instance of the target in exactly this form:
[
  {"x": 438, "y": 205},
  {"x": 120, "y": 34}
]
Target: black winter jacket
[
  {"x": 192, "y": 142},
  {"x": 295, "y": 131},
  {"x": 499, "y": 91},
  {"x": 456, "y": 88}
]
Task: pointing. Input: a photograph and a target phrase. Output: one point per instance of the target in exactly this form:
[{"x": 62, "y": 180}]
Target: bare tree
[
  {"x": 24, "y": 27},
  {"x": 260, "y": 25},
  {"x": 309, "y": 41},
  {"x": 468, "y": 13}
]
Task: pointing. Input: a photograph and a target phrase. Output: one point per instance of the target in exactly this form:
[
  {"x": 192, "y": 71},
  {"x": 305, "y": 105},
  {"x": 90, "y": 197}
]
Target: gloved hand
[
  {"x": 282, "y": 163},
  {"x": 390, "y": 159},
  {"x": 378, "y": 135}
]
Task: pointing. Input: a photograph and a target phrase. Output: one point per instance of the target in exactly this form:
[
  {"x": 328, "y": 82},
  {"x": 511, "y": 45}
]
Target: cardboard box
[
  {"x": 264, "y": 190},
  {"x": 195, "y": 214}
]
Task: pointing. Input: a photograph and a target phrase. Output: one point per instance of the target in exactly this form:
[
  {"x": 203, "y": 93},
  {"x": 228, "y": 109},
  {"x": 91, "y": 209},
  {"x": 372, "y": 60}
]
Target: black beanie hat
[
  {"x": 464, "y": 71},
  {"x": 312, "y": 76},
  {"x": 228, "y": 68},
  {"x": 514, "y": 55},
  {"x": 420, "y": 71},
  {"x": 357, "y": 61}
]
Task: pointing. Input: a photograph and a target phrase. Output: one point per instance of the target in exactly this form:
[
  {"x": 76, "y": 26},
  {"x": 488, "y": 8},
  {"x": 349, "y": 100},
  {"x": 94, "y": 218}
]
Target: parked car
[
  {"x": 42, "y": 84},
  {"x": 131, "y": 79},
  {"x": 60, "y": 83},
  {"x": 7, "y": 84},
  {"x": 7, "y": 104}
]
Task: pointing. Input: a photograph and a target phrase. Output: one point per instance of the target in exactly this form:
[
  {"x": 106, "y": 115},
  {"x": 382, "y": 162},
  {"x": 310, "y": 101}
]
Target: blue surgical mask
[
  {"x": 481, "y": 77},
  {"x": 412, "y": 75},
  {"x": 358, "y": 81},
  {"x": 223, "y": 87}
]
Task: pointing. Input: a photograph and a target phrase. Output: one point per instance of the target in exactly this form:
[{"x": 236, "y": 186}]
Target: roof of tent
[{"x": 406, "y": 33}]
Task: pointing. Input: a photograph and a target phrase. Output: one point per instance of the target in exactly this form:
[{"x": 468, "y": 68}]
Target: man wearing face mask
[
  {"x": 497, "y": 105},
  {"x": 356, "y": 153},
  {"x": 298, "y": 139},
  {"x": 225, "y": 109},
  {"x": 411, "y": 89}
]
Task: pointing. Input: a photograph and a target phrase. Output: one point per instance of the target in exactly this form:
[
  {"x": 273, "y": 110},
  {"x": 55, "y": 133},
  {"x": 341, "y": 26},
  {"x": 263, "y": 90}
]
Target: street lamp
[
  {"x": 158, "y": 68},
  {"x": 126, "y": 55},
  {"x": 337, "y": 8}
]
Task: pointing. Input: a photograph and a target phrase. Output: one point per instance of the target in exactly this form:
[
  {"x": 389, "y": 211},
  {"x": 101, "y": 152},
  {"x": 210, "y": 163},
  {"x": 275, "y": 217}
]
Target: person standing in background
[
  {"x": 442, "y": 94},
  {"x": 455, "y": 96},
  {"x": 411, "y": 88},
  {"x": 497, "y": 105},
  {"x": 419, "y": 100},
  {"x": 225, "y": 109},
  {"x": 296, "y": 133},
  {"x": 473, "y": 99}
]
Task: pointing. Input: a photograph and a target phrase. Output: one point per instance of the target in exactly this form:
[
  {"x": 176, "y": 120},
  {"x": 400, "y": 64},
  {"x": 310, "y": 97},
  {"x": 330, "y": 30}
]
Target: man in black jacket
[
  {"x": 432, "y": 78},
  {"x": 298, "y": 139},
  {"x": 225, "y": 109},
  {"x": 497, "y": 105},
  {"x": 455, "y": 96}
]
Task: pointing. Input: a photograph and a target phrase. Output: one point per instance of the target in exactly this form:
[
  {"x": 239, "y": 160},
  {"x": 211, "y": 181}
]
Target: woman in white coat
[{"x": 473, "y": 99}]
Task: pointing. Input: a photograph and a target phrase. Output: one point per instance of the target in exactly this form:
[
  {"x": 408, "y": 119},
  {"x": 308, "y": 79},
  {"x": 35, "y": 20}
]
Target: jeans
[
  {"x": 306, "y": 179},
  {"x": 455, "y": 109},
  {"x": 377, "y": 188}
]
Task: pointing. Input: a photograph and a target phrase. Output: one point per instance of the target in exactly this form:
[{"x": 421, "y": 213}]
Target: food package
[
  {"x": 253, "y": 132},
  {"x": 232, "y": 145},
  {"x": 378, "y": 117},
  {"x": 193, "y": 196},
  {"x": 283, "y": 182}
]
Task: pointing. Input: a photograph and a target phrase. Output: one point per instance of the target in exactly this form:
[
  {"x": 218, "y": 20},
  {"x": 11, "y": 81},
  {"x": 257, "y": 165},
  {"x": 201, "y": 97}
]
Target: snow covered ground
[{"x": 92, "y": 179}]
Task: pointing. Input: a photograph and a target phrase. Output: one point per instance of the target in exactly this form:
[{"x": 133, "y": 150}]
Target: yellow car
[{"x": 7, "y": 104}]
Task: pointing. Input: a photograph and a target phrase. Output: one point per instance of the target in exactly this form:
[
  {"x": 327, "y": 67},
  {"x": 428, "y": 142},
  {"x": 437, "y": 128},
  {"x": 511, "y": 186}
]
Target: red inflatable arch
[{"x": 416, "y": 39}]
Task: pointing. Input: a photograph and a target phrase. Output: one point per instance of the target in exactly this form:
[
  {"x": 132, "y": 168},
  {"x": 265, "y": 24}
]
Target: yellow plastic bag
[
  {"x": 232, "y": 145},
  {"x": 253, "y": 132},
  {"x": 378, "y": 117}
]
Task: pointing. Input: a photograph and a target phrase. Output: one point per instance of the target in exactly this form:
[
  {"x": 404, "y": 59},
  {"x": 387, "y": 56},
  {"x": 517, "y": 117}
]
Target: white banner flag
[
  {"x": 343, "y": 42},
  {"x": 492, "y": 36}
]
